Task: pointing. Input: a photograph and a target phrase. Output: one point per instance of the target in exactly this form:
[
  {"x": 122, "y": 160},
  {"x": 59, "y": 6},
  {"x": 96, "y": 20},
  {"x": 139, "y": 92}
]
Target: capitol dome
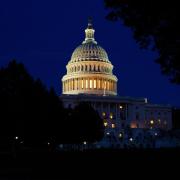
[
  {"x": 89, "y": 70},
  {"x": 89, "y": 51}
]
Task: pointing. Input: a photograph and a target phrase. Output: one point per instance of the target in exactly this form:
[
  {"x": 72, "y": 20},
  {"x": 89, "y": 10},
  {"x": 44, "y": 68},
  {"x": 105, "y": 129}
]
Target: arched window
[
  {"x": 98, "y": 68},
  {"x": 89, "y": 67}
]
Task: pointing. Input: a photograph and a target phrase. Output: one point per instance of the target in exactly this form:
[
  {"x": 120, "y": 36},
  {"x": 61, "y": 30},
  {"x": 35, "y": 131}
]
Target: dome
[
  {"x": 89, "y": 51},
  {"x": 89, "y": 70}
]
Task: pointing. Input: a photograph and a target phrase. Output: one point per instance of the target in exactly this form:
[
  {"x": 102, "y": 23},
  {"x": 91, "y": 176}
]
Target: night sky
[{"x": 43, "y": 34}]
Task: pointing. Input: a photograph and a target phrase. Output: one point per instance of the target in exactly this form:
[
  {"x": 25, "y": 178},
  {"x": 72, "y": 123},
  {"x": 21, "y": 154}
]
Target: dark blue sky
[{"x": 43, "y": 34}]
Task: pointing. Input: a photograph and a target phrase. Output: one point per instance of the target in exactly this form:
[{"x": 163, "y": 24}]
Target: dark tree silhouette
[
  {"x": 156, "y": 25},
  {"x": 176, "y": 118},
  {"x": 36, "y": 115},
  {"x": 84, "y": 124}
]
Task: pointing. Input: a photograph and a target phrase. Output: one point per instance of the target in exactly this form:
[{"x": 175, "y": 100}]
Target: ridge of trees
[{"x": 35, "y": 115}]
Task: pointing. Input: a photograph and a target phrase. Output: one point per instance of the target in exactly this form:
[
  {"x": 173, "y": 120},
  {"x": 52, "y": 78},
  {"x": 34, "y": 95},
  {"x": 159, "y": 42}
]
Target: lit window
[
  {"x": 120, "y": 135},
  {"x": 108, "y": 133},
  {"x": 152, "y": 122},
  {"x": 113, "y": 126},
  {"x": 111, "y": 116},
  {"x": 133, "y": 125},
  {"x": 90, "y": 84},
  {"x": 82, "y": 85},
  {"x": 105, "y": 124},
  {"x": 94, "y": 84},
  {"x": 159, "y": 121}
]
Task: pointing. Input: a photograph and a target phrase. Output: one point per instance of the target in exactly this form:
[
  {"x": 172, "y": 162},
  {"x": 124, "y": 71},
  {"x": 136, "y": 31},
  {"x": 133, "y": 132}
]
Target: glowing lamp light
[
  {"x": 120, "y": 135},
  {"x": 131, "y": 139},
  {"x": 105, "y": 124},
  {"x": 48, "y": 143},
  {"x": 108, "y": 133},
  {"x": 152, "y": 122},
  {"x": 84, "y": 142},
  {"x": 113, "y": 125},
  {"x": 155, "y": 134},
  {"x": 103, "y": 114},
  {"x": 16, "y": 138},
  {"x": 121, "y": 107},
  {"x": 111, "y": 116}
]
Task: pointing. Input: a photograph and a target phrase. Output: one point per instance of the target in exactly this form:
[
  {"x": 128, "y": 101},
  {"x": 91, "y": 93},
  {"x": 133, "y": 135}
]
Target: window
[
  {"x": 82, "y": 84},
  {"x": 113, "y": 126},
  {"x": 90, "y": 84},
  {"x": 94, "y": 84},
  {"x": 105, "y": 124},
  {"x": 159, "y": 121},
  {"x": 151, "y": 122},
  {"x": 111, "y": 115}
]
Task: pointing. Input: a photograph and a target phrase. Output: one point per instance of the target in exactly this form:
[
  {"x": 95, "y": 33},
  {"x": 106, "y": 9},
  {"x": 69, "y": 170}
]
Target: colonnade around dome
[{"x": 90, "y": 85}]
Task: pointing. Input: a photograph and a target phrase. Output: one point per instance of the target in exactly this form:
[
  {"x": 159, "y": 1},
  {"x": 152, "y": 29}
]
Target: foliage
[
  {"x": 156, "y": 25},
  {"x": 36, "y": 115}
]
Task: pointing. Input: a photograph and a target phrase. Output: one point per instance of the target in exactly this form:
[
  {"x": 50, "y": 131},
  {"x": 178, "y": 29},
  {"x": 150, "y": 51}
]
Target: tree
[
  {"x": 156, "y": 26},
  {"x": 35, "y": 115},
  {"x": 176, "y": 118},
  {"x": 28, "y": 109},
  {"x": 84, "y": 124}
]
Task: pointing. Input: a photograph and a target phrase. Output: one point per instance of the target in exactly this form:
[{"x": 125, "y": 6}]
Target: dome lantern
[{"x": 89, "y": 32}]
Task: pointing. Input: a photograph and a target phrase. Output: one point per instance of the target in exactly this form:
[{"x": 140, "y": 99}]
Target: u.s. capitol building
[{"x": 90, "y": 79}]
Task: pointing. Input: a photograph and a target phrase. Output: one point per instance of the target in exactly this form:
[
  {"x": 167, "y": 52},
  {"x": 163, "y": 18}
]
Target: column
[
  {"x": 108, "y": 85},
  {"x": 101, "y": 84},
  {"x": 70, "y": 87},
  {"x": 88, "y": 83},
  {"x": 84, "y": 83},
  {"x": 65, "y": 85},
  {"x": 75, "y": 84}
]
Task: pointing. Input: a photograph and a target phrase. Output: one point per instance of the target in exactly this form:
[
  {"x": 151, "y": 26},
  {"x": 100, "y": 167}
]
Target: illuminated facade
[
  {"x": 90, "y": 79},
  {"x": 89, "y": 71}
]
